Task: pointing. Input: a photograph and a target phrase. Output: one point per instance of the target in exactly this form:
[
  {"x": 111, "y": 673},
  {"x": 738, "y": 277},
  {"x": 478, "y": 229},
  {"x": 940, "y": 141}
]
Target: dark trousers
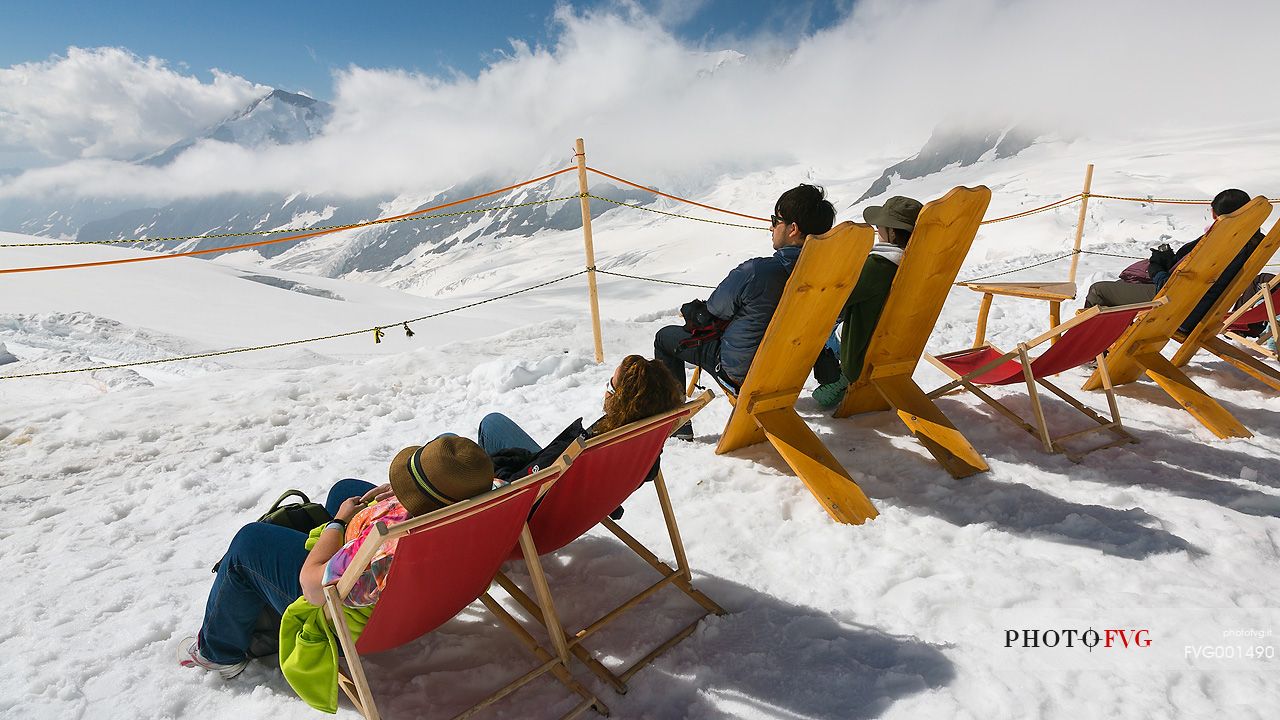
[
  {"x": 1114, "y": 293},
  {"x": 666, "y": 348},
  {"x": 258, "y": 574}
]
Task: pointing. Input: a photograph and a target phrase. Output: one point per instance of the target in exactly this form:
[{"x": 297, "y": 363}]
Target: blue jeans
[
  {"x": 499, "y": 432},
  {"x": 259, "y": 571}
]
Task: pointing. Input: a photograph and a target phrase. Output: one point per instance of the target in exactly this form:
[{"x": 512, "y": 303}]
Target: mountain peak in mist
[
  {"x": 277, "y": 118},
  {"x": 953, "y": 146}
]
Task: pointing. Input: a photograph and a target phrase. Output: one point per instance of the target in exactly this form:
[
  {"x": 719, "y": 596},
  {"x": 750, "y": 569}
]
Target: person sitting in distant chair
[
  {"x": 739, "y": 310},
  {"x": 894, "y": 222},
  {"x": 639, "y": 388},
  {"x": 1112, "y": 293}
]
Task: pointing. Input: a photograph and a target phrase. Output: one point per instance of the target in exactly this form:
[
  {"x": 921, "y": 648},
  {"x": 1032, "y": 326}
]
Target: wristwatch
[{"x": 341, "y": 525}]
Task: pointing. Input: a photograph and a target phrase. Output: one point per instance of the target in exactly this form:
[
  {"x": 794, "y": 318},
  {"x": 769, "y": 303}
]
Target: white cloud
[
  {"x": 109, "y": 103},
  {"x": 659, "y": 109}
]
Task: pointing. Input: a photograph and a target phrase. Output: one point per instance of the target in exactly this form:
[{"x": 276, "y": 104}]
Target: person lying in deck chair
[
  {"x": 894, "y": 222},
  {"x": 743, "y": 303},
  {"x": 639, "y": 388},
  {"x": 269, "y": 570},
  {"x": 1113, "y": 293}
]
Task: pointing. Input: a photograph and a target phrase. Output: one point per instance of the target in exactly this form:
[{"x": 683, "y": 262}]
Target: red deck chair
[
  {"x": 444, "y": 562},
  {"x": 611, "y": 467},
  {"x": 1083, "y": 338}
]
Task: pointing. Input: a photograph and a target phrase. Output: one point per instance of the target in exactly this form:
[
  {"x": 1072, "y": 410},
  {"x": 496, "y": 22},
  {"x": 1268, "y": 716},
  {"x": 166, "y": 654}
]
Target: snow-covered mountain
[
  {"x": 278, "y": 118},
  {"x": 953, "y": 146}
]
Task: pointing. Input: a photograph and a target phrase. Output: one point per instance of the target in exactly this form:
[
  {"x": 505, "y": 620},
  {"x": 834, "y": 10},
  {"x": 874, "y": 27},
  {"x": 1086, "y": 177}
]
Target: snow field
[{"x": 128, "y": 499}]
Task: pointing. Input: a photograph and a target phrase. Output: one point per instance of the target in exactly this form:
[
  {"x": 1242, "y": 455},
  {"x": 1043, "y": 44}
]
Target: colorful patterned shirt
[{"x": 369, "y": 586}]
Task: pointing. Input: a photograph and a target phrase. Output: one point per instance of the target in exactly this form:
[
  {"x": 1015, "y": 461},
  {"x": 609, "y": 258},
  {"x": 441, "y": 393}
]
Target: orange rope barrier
[
  {"x": 673, "y": 197},
  {"x": 1166, "y": 201},
  {"x": 1042, "y": 208},
  {"x": 302, "y": 236}
]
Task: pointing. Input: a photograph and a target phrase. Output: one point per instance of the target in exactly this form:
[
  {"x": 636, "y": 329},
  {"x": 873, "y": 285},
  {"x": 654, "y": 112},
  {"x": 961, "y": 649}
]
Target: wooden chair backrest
[
  {"x": 1209, "y": 325},
  {"x": 611, "y": 467},
  {"x": 445, "y": 559},
  {"x": 1187, "y": 283},
  {"x": 942, "y": 237},
  {"x": 821, "y": 281}
]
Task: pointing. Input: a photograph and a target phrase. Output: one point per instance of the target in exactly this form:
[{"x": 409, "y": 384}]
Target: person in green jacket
[{"x": 894, "y": 222}]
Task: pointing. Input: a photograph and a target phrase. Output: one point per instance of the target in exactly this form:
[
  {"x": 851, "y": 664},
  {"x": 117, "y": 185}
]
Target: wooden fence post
[
  {"x": 1084, "y": 205},
  {"x": 581, "y": 156}
]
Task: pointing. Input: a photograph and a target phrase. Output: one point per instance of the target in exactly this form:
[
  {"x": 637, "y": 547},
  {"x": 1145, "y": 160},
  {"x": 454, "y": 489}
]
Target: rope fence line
[
  {"x": 674, "y": 197},
  {"x": 377, "y": 331},
  {"x": 675, "y": 215},
  {"x": 1165, "y": 201},
  {"x": 302, "y": 236},
  {"x": 1056, "y": 204},
  {"x": 1063, "y": 256},
  {"x": 650, "y": 279}
]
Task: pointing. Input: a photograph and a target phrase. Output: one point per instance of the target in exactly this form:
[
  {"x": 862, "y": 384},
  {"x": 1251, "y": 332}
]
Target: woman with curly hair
[{"x": 638, "y": 389}]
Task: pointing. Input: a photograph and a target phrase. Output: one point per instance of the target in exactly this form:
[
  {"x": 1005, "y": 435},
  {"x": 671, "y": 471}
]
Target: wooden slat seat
[{"x": 943, "y": 234}]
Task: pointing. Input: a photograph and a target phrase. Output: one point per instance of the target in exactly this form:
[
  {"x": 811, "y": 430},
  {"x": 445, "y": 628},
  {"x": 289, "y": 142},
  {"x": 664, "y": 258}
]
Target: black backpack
[{"x": 303, "y": 517}]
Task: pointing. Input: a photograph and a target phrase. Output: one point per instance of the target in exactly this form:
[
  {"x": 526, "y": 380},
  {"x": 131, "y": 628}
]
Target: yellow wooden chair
[
  {"x": 764, "y": 408},
  {"x": 1138, "y": 349},
  {"x": 941, "y": 239},
  {"x": 1206, "y": 334}
]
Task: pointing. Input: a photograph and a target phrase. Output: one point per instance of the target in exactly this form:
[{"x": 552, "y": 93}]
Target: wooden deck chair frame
[
  {"x": 1265, "y": 301},
  {"x": 680, "y": 576},
  {"x": 354, "y": 681},
  {"x": 1205, "y": 335},
  {"x": 1138, "y": 349},
  {"x": 943, "y": 234},
  {"x": 1038, "y": 426},
  {"x": 764, "y": 408}
]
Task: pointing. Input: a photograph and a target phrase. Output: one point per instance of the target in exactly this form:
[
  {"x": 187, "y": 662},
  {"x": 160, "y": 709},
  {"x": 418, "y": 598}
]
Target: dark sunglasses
[{"x": 775, "y": 221}]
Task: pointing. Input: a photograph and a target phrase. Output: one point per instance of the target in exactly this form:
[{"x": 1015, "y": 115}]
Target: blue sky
[{"x": 296, "y": 46}]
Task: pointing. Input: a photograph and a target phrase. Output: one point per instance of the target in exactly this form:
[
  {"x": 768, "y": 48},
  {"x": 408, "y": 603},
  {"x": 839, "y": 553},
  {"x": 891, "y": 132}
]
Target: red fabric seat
[
  {"x": 1255, "y": 314},
  {"x": 600, "y": 480},
  {"x": 1077, "y": 346},
  {"x": 441, "y": 568}
]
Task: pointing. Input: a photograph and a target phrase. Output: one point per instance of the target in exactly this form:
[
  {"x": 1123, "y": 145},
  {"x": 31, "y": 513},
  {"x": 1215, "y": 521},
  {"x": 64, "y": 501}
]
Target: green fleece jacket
[
  {"x": 309, "y": 647},
  {"x": 862, "y": 311}
]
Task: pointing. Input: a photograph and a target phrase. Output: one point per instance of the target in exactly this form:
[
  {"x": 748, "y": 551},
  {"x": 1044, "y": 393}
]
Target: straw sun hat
[{"x": 442, "y": 472}]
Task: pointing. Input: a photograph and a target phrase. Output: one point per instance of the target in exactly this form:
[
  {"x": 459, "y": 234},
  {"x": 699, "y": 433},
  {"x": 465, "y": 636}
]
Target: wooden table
[{"x": 1053, "y": 292}]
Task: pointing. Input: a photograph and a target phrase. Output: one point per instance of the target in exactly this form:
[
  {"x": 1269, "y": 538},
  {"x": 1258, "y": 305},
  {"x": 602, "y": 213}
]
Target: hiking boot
[
  {"x": 684, "y": 432},
  {"x": 189, "y": 656},
  {"x": 830, "y": 395}
]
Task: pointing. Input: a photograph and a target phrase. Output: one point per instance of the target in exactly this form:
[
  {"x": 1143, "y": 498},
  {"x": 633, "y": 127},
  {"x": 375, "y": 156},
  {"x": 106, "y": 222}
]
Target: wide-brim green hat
[{"x": 897, "y": 212}]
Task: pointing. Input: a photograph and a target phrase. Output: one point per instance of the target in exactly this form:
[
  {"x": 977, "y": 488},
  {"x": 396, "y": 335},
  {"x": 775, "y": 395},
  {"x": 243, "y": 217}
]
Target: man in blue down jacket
[{"x": 747, "y": 297}]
